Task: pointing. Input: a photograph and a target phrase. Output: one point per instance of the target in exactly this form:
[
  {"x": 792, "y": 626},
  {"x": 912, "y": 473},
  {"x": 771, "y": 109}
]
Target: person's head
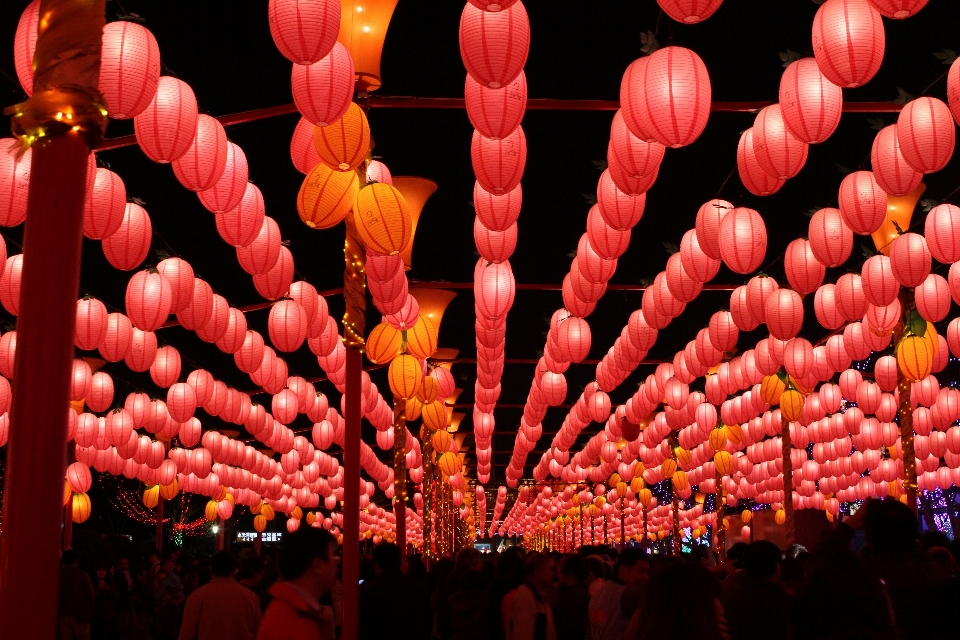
[
  {"x": 168, "y": 564},
  {"x": 69, "y": 558},
  {"x": 101, "y": 573},
  {"x": 633, "y": 566},
  {"x": 735, "y": 554},
  {"x": 468, "y": 559},
  {"x": 595, "y": 568},
  {"x": 573, "y": 570},
  {"x": 761, "y": 560},
  {"x": 386, "y": 557},
  {"x": 308, "y": 557},
  {"x": 680, "y": 603},
  {"x": 251, "y": 569},
  {"x": 153, "y": 558},
  {"x": 791, "y": 570},
  {"x": 932, "y": 539},
  {"x": 510, "y": 569},
  {"x": 704, "y": 555},
  {"x": 890, "y": 526},
  {"x": 538, "y": 570},
  {"x": 222, "y": 564},
  {"x": 123, "y": 564}
]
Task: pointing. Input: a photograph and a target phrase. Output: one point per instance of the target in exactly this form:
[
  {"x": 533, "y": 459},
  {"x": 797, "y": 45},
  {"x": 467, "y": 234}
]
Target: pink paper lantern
[
  {"x": 496, "y": 113},
  {"x": 933, "y": 298},
  {"x": 689, "y": 11},
  {"x": 925, "y": 132},
  {"x": 677, "y": 98},
  {"x": 696, "y": 262},
  {"x": 709, "y": 216},
  {"x": 168, "y": 126},
  {"x": 754, "y": 178},
  {"x": 784, "y": 312},
  {"x": 205, "y": 160},
  {"x": 680, "y": 285},
  {"x": 778, "y": 153},
  {"x": 91, "y": 329},
  {"x": 942, "y": 231},
  {"x": 104, "y": 205},
  {"x": 830, "y": 239},
  {"x": 181, "y": 402},
  {"x": 825, "y": 307},
  {"x": 740, "y": 310},
  {"x": 180, "y": 275},
  {"x": 898, "y": 9},
  {"x": 574, "y": 339},
  {"x": 129, "y": 68},
  {"x": 229, "y": 189},
  {"x": 723, "y": 331},
  {"x": 880, "y": 287},
  {"x": 851, "y": 303},
  {"x": 494, "y": 246},
  {"x": 497, "y": 212},
  {"x": 499, "y": 164},
  {"x": 116, "y": 339},
  {"x": 810, "y": 104},
  {"x": 287, "y": 325},
  {"x": 261, "y": 255},
  {"x": 241, "y": 225},
  {"x": 24, "y": 45},
  {"x": 233, "y": 337},
  {"x": 627, "y": 183},
  {"x": 128, "y": 246},
  {"x": 743, "y": 240},
  {"x": 214, "y": 328},
  {"x": 910, "y": 259},
  {"x": 804, "y": 272},
  {"x": 494, "y": 45},
  {"x": 848, "y": 41},
  {"x": 863, "y": 204},
  {"x": 619, "y": 210},
  {"x": 304, "y": 30},
  {"x": 14, "y": 182},
  {"x": 10, "y": 284},
  {"x": 636, "y": 157},
  {"x": 165, "y": 368},
  {"x": 148, "y": 299},
  {"x": 142, "y": 351},
  {"x": 891, "y": 170},
  {"x": 323, "y": 90},
  {"x": 302, "y": 150},
  {"x": 197, "y": 313},
  {"x": 494, "y": 288},
  {"x": 275, "y": 283}
]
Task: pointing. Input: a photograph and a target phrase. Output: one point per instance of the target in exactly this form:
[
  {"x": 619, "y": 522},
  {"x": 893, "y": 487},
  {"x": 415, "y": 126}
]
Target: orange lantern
[
  {"x": 151, "y": 496},
  {"x": 637, "y": 485},
  {"x": 383, "y": 343},
  {"x": 344, "y": 144},
  {"x": 326, "y": 196},
  {"x": 734, "y": 433},
  {"x": 382, "y": 218},
  {"x": 771, "y": 388},
  {"x": 791, "y": 404},
  {"x": 679, "y": 479},
  {"x": 259, "y": 523},
  {"x": 428, "y": 390},
  {"x": 210, "y": 510},
  {"x": 723, "y": 462},
  {"x": 422, "y": 338},
  {"x": 412, "y": 408},
  {"x": 267, "y": 511},
  {"x": 718, "y": 439},
  {"x": 449, "y": 463},
  {"x": 405, "y": 376},
  {"x": 668, "y": 468},
  {"x": 170, "y": 491},
  {"x": 434, "y": 415},
  {"x": 683, "y": 456},
  {"x": 441, "y": 441},
  {"x": 915, "y": 358},
  {"x": 780, "y": 516},
  {"x": 80, "y": 509},
  {"x": 899, "y": 213}
]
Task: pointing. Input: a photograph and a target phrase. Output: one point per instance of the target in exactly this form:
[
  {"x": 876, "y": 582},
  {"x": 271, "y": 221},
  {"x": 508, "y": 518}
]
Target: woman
[
  {"x": 531, "y": 617},
  {"x": 682, "y": 603}
]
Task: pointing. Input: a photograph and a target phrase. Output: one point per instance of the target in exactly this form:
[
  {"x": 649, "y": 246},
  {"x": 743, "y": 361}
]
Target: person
[
  {"x": 681, "y": 603},
  {"x": 125, "y": 583},
  {"x": 103, "y": 626},
  {"x": 308, "y": 566},
  {"x": 596, "y": 573},
  {"x": 531, "y": 617},
  {"x": 469, "y": 614},
  {"x": 391, "y": 596},
  {"x": 75, "y": 600},
  {"x": 571, "y": 610},
  {"x": 169, "y": 598},
  {"x": 221, "y": 609},
  {"x": 761, "y": 605},
  {"x": 607, "y": 619},
  {"x": 250, "y": 576},
  {"x": 508, "y": 578}
]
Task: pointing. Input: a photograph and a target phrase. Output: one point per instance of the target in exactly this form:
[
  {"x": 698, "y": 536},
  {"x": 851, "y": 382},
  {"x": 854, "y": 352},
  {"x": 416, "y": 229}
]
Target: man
[
  {"x": 169, "y": 596},
  {"x": 607, "y": 618},
  {"x": 761, "y": 604},
  {"x": 221, "y": 609},
  {"x": 126, "y": 622},
  {"x": 571, "y": 610},
  {"x": 308, "y": 566},
  {"x": 76, "y": 599},
  {"x": 390, "y": 596}
]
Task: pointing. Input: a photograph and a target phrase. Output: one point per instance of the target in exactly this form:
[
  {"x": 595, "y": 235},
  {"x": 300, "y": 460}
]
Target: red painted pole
[
  {"x": 160, "y": 525},
  {"x": 351, "y": 498}
]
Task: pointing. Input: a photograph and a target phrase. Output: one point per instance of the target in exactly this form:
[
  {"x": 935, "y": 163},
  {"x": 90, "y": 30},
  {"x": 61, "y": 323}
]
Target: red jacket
[{"x": 288, "y": 616}]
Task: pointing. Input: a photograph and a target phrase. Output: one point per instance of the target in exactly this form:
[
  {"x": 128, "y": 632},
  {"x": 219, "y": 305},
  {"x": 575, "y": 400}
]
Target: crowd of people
[{"x": 895, "y": 586}]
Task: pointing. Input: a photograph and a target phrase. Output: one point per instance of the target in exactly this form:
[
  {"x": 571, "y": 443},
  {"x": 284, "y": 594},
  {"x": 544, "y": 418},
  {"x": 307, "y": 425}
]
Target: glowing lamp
[
  {"x": 433, "y": 303},
  {"x": 899, "y": 212},
  {"x": 363, "y": 27},
  {"x": 416, "y": 191}
]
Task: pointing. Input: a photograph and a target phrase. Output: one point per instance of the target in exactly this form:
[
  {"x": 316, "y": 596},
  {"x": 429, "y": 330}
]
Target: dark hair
[
  {"x": 300, "y": 548},
  {"x": 386, "y": 555},
  {"x": 597, "y": 568},
  {"x": 629, "y": 557},
  {"x": 735, "y": 553},
  {"x": 222, "y": 564},
  {"x": 791, "y": 570},
  {"x": 574, "y": 567},
  {"x": 250, "y": 567},
  {"x": 932, "y": 539},
  {"x": 69, "y": 557},
  {"x": 534, "y": 562},
  {"x": 680, "y": 603},
  {"x": 466, "y": 557},
  {"x": 761, "y": 559},
  {"x": 890, "y": 526}
]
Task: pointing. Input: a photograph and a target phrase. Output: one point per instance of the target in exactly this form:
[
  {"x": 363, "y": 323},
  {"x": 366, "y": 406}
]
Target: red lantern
[
  {"x": 632, "y": 96},
  {"x": 759, "y": 289},
  {"x": 496, "y": 113},
  {"x": 810, "y": 104},
  {"x": 942, "y": 231},
  {"x": 165, "y": 368},
  {"x": 148, "y": 300},
  {"x": 925, "y": 132},
  {"x": 128, "y": 246},
  {"x": 784, "y": 312},
  {"x": 104, "y": 206},
  {"x": 830, "y": 239},
  {"x": 621, "y": 177},
  {"x": 863, "y": 204},
  {"x": 204, "y": 162},
  {"x": 250, "y": 355},
  {"x": 129, "y": 68},
  {"x": 197, "y": 313},
  {"x": 709, "y": 217},
  {"x": 891, "y": 170},
  {"x": 323, "y": 90},
  {"x": 777, "y": 152},
  {"x": 235, "y": 333},
  {"x": 302, "y": 150},
  {"x": 494, "y": 246},
  {"x": 275, "y": 283},
  {"x": 804, "y": 272},
  {"x": 635, "y": 157},
  {"x": 723, "y": 331},
  {"x": 142, "y": 351},
  {"x": 740, "y": 310},
  {"x": 494, "y": 288},
  {"x": 494, "y": 45},
  {"x": 91, "y": 327},
  {"x": 216, "y": 326},
  {"x": 689, "y": 11},
  {"x": 117, "y": 337},
  {"x": 179, "y": 274},
  {"x": 10, "y": 284},
  {"x": 754, "y": 178},
  {"x": 24, "y": 45},
  {"x": 953, "y": 90},
  {"x": 229, "y": 189},
  {"x": 933, "y": 298},
  {"x": 100, "y": 396},
  {"x": 241, "y": 225},
  {"x": 851, "y": 303},
  {"x": 680, "y": 285},
  {"x": 676, "y": 104},
  {"x": 304, "y": 30},
  {"x": 607, "y": 242},
  {"x": 880, "y": 287},
  {"x": 743, "y": 240},
  {"x": 574, "y": 339},
  {"x": 499, "y": 164},
  {"x": 910, "y": 259},
  {"x": 497, "y": 213},
  {"x": 287, "y": 325},
  {"x": 168, "y": 126},
  {"x": 798, "y": 357},
  {"x": 181, "y": 402},
  {"x": 14, "y": 182},
  {"x": 80, "y": 380},
  {"x": 696, "y": 263},
  {"x": 261, "y": 255},
  {"x": 619, "y": 210},
  {"x": 899, "y": 9},
  {"x": 848, "y": 41}
]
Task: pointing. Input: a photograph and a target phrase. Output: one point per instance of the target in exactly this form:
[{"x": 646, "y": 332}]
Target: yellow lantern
[
  {"x": 780, "y": 516},
  {"x": 382, "y": 218},
  {"x": 449, "y": 463},
  {"x": 441, "y": 441},
  {"x": 771, "y": 388},
  {"x": 718, "y": 439},
  {"x": 668, "y": 468},
  {"x": 259, "y": 523},
  {"x": 170, "y": 491},
  {"x": 422, "y": 338},
  {"x": 326, "y": 196},
  {"x": 428, "y": 390},
  {"x": 679, "y": 480},
  {"x": 599, "y": 501},
  {"x": 723, "y": 462},
  {"x": 645, "y": 496},
  {"x": 746, "y": 516},
  {"x": 405, "y": 376},
  {"x": 791, "y": 405},
  {"x": 267, "y": 511},
  {"x": 80, "y": 509},
  {"x": 210, "y": 511},
  {"x": 637, "y": 484},
  {"x": 383, "y": 344},
  {"x": 622, "y": 488},
  {"x": 914, "y": 358},
  {"x": 151, "y": 496},
  {"x": 343, "y": 145},
  {"x": 593, "y": 510},
  {"x": 434, "y": 415}
]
